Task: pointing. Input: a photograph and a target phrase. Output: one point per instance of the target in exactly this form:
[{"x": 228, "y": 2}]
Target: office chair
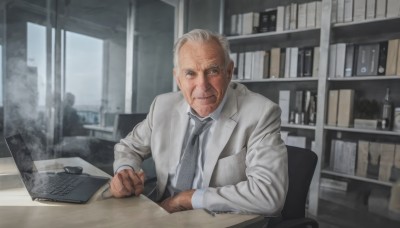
[{"x": 301, "y": 165}]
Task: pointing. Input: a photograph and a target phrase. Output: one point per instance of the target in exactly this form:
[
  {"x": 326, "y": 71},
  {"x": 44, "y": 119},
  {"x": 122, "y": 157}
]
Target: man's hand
[
  {"x": 126, "y": 183},
  {"x": 180, "y": 202}
]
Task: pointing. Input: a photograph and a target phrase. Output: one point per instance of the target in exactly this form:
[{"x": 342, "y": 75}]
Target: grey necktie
[{"x": 189, "y": 158}]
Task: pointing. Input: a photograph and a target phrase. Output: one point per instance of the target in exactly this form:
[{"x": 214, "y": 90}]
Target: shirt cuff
[
  {"x": 197, "y": 199},
  {"x": 123, "y": 167}
]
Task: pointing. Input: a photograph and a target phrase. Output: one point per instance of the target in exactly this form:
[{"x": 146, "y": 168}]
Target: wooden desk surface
[{"x": 18, "y": 210}]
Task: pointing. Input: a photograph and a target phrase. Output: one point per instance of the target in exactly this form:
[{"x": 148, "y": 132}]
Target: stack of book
[
  {"x": 343, "y": 156},
  {"x": 291, "y": 62},
  {"x": 373, "y": 59},
  {"x": 340, "y": 107},
  {"x": 359, "y": 10},
  {"x": 289, "y": 17}
]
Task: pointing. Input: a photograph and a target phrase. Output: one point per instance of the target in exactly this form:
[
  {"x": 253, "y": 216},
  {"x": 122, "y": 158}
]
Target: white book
[
  {"x": 360, "y": 7},
  {"x": 294, "y": 55},
  {"x": 297, "y": 141},
  {"x": 241, "y": 62},
  {"x": 350, "y": 151},
  {"x": 393, "y": 8},
  {"x": 371, "y": 9},
  {"x": 334, "y": 11},
  {"x": 339, "y": 159},
  {"x": 340, "y": 59},
  {"x": 247, "y": 23},
  {"x": 287, "y": 18},
  {"x": 332, "y": 60},
  {"x": 293, "y": 16},
  {"x": 248, "y": 65},
  {"x": 348, "y": 10},
  {"x": 316, "y": 62},
  {"x": 258, "y": 65},
  {"x": 311, "y": 14},
  {"x": 340, "y": 11},
  {"x": 234, "y": 24},
  {"x": 287, "y": 62},
  {"x": 280, "y": 18},
  {"x": 284, "y": 104},
  {"x": 380, "y": 9},
  {"x": 240, "y": 25},
  {"x": 318, "y": 15},
  {"x": 302, "y": 16},
  {"x": 254, "y": 66}
]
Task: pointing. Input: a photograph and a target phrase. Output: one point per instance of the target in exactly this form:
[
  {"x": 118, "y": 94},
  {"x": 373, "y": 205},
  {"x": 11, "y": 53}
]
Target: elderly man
[{"x": 216, "y": 145}]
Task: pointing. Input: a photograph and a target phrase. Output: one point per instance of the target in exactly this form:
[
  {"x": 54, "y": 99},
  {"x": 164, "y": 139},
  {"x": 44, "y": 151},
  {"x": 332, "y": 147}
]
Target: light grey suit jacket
[{"x": 246, "y": 160}]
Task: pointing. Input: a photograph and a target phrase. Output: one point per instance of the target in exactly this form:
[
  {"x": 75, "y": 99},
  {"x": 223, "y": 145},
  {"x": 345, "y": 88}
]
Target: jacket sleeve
[{"x": 265, "y": 189}]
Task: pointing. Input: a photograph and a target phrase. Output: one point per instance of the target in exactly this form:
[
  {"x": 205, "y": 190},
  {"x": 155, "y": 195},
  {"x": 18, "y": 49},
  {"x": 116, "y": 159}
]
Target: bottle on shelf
[{"x": 387, "y": 112}]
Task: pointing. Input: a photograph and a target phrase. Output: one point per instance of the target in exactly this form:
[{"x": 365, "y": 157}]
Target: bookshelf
[{"x": 329, "y": 32}]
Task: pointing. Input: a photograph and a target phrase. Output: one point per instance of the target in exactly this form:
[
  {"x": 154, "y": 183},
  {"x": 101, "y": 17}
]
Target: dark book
[
  {"x": 272, "y": 20},
  {"x": 308, "y": 62},
  {"x": 263, "y": 25},
  {"x": 367, "y": 59},
  {"x": 383, "y": 46},
  {"x": 349, "y": 60},
  {"x": 300, "y": 63},
  {"x": 282, "y": 63}
]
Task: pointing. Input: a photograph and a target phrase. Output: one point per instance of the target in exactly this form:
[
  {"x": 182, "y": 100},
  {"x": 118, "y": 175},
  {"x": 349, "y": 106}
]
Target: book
[
  {"x": 318, "y": 15},
  {"x": 392, "y": 8},
  {"x": 284, "y": 104},
  {"x": 311, "y": 14},
  {"x": 392, "y": 55},
  {"x": 275, "y": 62},
  {"x": 241, "y": 66},
  {"x": 250, "y": 23},
  {"x": 340, "y": 60},
  {"x": 266, "y": 61},
  {"x": 380, "y": 9},
  {"x": 316, "y": 62},
  {"x": 348, "y": 10},
  {"x": 293, "y": 16},
  {"x": 308, "y": 62},
  {"x": 272, "y": 19},
  {"x": 331, "y": 184},
  {"x": 248, "y": 65},
  {"x": 332, "y": 154},
  {"x": 234, "y": 25},
  {"x": 374, "y": 153},
  {"x": 300, "y": 62},
  {"x": 349, "y": 61},
  {"x": 362, "y": 158},
  {"x": 306, "y": 108},
  {"x": 288, "y": 55},
  {"x": 340, "y": 11},
  {"x": 367, "y": 59},
  {"x": 287, "y": 18},
  {"x": 398, "y": 60},
  {"x": 294, "y": 52},
  {"x": 282, "y": 63},
  {"x": 258, "y": 65},
  {"x": 386, "y": 162},
  {"x": 299, "y": 107},
  {"x": 302, "y": 16},
  {"x": 345, "y": 107},
  {"x": 370, "y": 9},
  {"x": 332, "y": 60},
  {"x": 334, "y": 11},
  {"x": 383, "y": 46},
  {"x": 280, "y": 18},
  {"x": 345, "y": 157},
  {"x": 359, "y": 10},
  {"x": 333, "y": 101}
]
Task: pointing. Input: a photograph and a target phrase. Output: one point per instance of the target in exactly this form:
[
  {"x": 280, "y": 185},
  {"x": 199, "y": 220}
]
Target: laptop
[{"x": 60, "y": 187}]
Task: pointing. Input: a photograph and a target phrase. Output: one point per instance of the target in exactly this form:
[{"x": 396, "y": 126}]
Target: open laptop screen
[{"x": 21, "y": 154}]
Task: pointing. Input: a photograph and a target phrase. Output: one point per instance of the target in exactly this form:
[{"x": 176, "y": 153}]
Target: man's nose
[{"x": 203, "y": 81}]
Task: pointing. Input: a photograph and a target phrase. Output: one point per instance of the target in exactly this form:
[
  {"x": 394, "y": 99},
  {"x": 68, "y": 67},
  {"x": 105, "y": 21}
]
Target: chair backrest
[
  {"x": 125, "y": 122},
  {"x": 301, "y": 166}
]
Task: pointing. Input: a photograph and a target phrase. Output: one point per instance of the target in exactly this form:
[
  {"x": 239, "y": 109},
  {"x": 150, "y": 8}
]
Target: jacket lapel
[{"x": 222, "y": 133}]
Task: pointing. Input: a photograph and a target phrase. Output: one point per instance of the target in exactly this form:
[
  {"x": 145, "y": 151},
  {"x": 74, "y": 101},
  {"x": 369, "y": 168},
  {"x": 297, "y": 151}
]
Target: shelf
[
  {"x": 365, "y": 78},
  {"x": 366, "y": 31},
  {"x": 330, "y": 172},
  {"x": 277, "y": 37},
  {"x": 278, "y": 80},
  {"x": 367, "y": 131},
  {"x": 298, "y": 126}
]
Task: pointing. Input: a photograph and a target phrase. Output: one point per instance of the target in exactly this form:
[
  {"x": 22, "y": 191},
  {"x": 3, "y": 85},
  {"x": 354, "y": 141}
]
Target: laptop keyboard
[{"x": 59, "y": 185}]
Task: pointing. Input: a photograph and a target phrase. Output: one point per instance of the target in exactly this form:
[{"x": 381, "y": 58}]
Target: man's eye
[
  {"x": 213, "y": 71},
  {"x": 189, "y": 74}
]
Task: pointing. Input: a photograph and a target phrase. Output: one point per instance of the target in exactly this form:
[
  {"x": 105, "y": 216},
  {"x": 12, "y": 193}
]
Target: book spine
[
  {"x": 345, "y": 107},
  {"x": 359, "y": 10},
  {"x": 282, "y": 64},
  {"x": 287, "y": 62},
  {"x": 302, "y": 16},
  {"x": 333, "y": 107},
  {"x": 311, "y": 14},
  {"x": 284, "y": 104},
  {"x": 280, "y": 18},
  {"x": 308, "y": 62},
  {"x": 340, "y": 60},
  {"x": 371, "y": 9},
  {"x": 380, "y": 9},
  {"x": 287, "y": 18},
  {"x": 348, "y": 68},
  {"x": 362, "y": 158},
  {"x": 294, "y": 52},
  {"x": 393, "y": 8},
  {"x": 392, "y": 55},
  {"x": 340, "y": 11},
  {"x": 348, "y": 10},
  {"x": 300, "y": 63},
  {"x": 334, "y": 11},
  {"x": 332, "y": 60},
  {"x": 275, "y": 62},
  {"x": 293, "y": 16},
  {"x": 316, "y": 62}
]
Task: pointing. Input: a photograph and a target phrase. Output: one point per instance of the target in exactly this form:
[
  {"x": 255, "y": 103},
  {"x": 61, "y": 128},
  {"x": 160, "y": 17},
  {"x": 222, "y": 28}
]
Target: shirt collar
[{"x": 214, "y": 115}]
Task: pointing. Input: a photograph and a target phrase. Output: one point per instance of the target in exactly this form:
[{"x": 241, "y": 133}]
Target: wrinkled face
[{"x": 201, "y": 75}]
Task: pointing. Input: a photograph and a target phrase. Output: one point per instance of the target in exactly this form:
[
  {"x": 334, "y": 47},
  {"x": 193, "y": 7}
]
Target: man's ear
[{"x": 229, "y": 69}]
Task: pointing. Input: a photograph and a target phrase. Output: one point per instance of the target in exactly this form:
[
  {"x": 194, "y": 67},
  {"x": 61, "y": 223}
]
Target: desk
[{"x": 18, "y": 210}]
